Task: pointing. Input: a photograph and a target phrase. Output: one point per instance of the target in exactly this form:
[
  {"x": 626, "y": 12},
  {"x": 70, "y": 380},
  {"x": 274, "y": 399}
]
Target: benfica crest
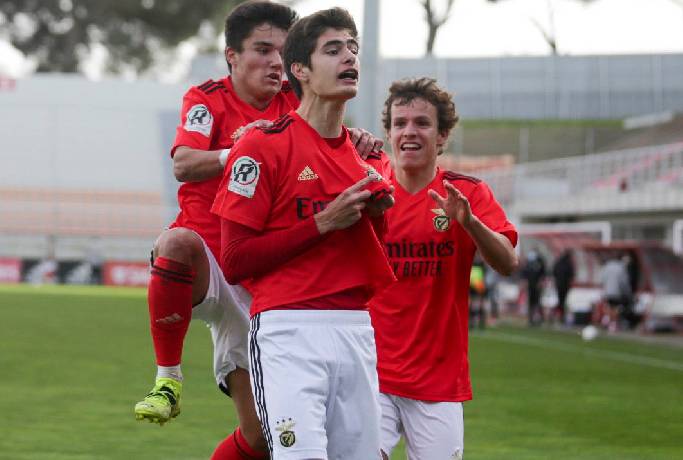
[
  {"x": 441, "y": 221},
  {"x": 285, "y": 427}
]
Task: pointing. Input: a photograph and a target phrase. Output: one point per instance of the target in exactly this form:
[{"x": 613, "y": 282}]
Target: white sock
[{"x": 171, "y": 372}]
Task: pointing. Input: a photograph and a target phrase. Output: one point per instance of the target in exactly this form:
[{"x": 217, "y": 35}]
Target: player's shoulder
[
  {"x": 455, "y": 178},
  {"x": 280, "y": 126},
  {"x": 273, "y": 137},
  {"x": 469, "y": 185},
  {"x": 377, "y": 156},
  {"x": 211, "y": 86},
  {"x": 208, "y": 90}
]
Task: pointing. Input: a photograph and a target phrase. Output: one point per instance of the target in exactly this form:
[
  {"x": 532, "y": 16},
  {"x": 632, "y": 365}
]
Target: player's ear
[
  {"x": 231, "y": 56},
  {"x": 300, "y": 71},
  {"x": 441, "y": 139}
]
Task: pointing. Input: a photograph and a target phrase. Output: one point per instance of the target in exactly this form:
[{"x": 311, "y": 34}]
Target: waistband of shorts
[{"x": 330, "y": 317}]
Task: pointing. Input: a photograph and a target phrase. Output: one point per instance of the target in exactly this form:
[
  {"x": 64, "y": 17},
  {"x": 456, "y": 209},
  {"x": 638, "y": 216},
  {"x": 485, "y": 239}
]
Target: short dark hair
[
  {"x": 404, "y": 91},
  {"x": 242, "y": 20},
  {"x": 304, "y": 35}
]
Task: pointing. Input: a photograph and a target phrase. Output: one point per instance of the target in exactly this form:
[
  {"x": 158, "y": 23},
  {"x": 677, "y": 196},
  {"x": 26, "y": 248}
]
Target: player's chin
[
  {"x": 269, "y": 91},
  {"x": 344, "y": 92}
]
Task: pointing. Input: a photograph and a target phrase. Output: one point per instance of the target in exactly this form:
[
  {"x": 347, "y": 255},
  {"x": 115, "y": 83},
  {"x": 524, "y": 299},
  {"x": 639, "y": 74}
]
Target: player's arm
[
  {"x": 248, "y": 253},
  {"x": 495, "y": 248},
  {"x": 194, "y": 165}
]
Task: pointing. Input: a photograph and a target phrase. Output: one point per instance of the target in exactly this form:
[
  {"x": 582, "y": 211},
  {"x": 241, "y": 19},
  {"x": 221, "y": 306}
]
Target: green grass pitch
[{"x": 74, "y": 360}]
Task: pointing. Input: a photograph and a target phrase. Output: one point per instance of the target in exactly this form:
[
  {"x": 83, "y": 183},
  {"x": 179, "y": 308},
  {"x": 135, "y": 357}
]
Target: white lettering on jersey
[
  {"x": 199, "y": 119},
  {"x": 244, "y": 176}
]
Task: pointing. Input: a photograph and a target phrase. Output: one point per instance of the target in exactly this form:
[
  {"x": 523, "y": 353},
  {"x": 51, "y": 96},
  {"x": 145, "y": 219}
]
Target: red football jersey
[
  {"x": 421, "y": 321},
  {"x": 211, "y": 113},
  {"x": 279, "y": 176}
]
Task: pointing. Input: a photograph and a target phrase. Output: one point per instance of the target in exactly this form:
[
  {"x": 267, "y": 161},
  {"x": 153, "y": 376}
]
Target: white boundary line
[{"x": 613, "y": 355}]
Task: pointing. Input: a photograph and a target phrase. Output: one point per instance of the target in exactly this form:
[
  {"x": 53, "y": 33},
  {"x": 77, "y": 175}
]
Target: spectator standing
[
  {"x": 534, "y": 272},
  {"x": 563, "y": 273},
  {"x": 616, "y": 290}
]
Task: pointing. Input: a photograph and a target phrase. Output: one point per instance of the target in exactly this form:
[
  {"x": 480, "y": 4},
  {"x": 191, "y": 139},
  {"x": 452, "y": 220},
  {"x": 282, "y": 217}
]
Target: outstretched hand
[{"x": 455, "y": 204}]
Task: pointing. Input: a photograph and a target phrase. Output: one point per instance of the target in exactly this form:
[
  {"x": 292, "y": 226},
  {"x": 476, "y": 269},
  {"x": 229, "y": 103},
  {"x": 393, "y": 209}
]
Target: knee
[{"x": 179, "y": 244}]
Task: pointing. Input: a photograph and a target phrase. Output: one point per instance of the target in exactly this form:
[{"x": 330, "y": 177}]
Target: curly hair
[{"x": 404, "y": 91}]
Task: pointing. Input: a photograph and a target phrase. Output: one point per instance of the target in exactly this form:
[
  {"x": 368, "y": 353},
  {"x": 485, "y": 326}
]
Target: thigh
[
  {"x": 290, "y": 384},
  {"x": 433, "y": 430},
  {"x": 391, "y": 427},
  {"x": 353, "y": 425},
  {"x": 225, "y": 309}
]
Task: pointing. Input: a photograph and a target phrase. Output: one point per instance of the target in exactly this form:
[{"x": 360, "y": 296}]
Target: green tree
[{"x": 59, "y": 34}]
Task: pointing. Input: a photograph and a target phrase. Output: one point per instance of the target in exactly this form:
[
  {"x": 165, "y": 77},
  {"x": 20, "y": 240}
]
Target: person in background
[
  {"x": 616, "y": 291},
  {"x": 534, "y": 272},
  {"x": 563, "y": 274}
]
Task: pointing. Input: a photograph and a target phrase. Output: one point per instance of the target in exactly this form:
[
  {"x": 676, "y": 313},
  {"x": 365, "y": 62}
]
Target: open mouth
[
  {"x": 350, "y": 75},
  {"x": 410, "y": 146},
  {"x": 274, "y": 76}
]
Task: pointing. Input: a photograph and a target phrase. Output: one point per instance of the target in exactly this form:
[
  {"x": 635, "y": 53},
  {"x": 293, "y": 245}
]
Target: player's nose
[
  {"x": 409, "y": 130},
  {"x": 276, "y": 60}
]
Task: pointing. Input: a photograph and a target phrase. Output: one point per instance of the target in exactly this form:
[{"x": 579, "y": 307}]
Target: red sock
[
  {"x": 235, "y": 447},
  {"x": 169, "y": 296}
]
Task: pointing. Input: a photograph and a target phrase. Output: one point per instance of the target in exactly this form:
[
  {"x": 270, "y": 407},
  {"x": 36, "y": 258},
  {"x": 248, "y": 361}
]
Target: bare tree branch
[{"x": 434, "y": 22}]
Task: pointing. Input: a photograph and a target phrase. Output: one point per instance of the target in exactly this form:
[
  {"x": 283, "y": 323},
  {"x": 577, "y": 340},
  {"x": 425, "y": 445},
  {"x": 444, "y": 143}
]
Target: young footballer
[
  {"x": 186, "y": 280},
  {"x": 438, "y": 222},
  {"x": 300, "y": 214}
]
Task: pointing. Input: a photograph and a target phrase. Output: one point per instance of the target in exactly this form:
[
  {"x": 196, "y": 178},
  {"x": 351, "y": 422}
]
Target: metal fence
[{"x": 629, "y": 181}]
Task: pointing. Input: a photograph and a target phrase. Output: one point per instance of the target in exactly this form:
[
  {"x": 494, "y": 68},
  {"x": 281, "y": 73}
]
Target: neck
[
  {"x": 254, "y": 101},
  {"x": 324, "y": 115},
  {"x": 414, "y": 180}
]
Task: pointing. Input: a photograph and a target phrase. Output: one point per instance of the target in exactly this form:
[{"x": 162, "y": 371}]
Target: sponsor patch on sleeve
[
  {"x": 199, "y": 119},
  {"x": 244, "y": 176}
]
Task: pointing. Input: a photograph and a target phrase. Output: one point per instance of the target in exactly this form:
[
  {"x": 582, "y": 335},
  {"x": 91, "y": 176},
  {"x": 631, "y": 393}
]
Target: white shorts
[
  {"x": 314, "y": 379},
  {"x": 432, "y": 430},
  {"x": 225, "y": 310}
]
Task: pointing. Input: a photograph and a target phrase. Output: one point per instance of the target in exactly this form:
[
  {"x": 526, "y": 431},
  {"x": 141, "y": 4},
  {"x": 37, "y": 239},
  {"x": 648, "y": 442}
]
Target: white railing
[{"x": 648, "y": 178}]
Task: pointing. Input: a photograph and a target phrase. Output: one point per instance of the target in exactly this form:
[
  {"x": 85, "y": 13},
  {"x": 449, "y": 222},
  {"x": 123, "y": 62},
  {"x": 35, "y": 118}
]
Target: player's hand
[
  {"x": 377, "y": 206},
  {"x": 241, "y": 131},
  {"x": 345, "y": 210},
  {"x": 455, "y": 204},
  {"x": 365, "y": 142}
]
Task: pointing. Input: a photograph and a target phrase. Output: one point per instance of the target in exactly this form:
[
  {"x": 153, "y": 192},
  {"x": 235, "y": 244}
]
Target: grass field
[{"x": 73, "y": 361}]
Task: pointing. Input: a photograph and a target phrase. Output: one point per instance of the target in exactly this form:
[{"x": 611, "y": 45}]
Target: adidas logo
[
  {"x": 174, "y": 318},
  {"x": 307, "y": 174}
]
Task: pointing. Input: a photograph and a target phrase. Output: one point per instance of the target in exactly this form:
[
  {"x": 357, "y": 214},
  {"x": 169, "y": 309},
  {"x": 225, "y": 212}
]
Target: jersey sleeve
[
  {"x": 245, "y": 195},
  {"x": 198, "y": 122},
  {"x": 485, "y": 206}
]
